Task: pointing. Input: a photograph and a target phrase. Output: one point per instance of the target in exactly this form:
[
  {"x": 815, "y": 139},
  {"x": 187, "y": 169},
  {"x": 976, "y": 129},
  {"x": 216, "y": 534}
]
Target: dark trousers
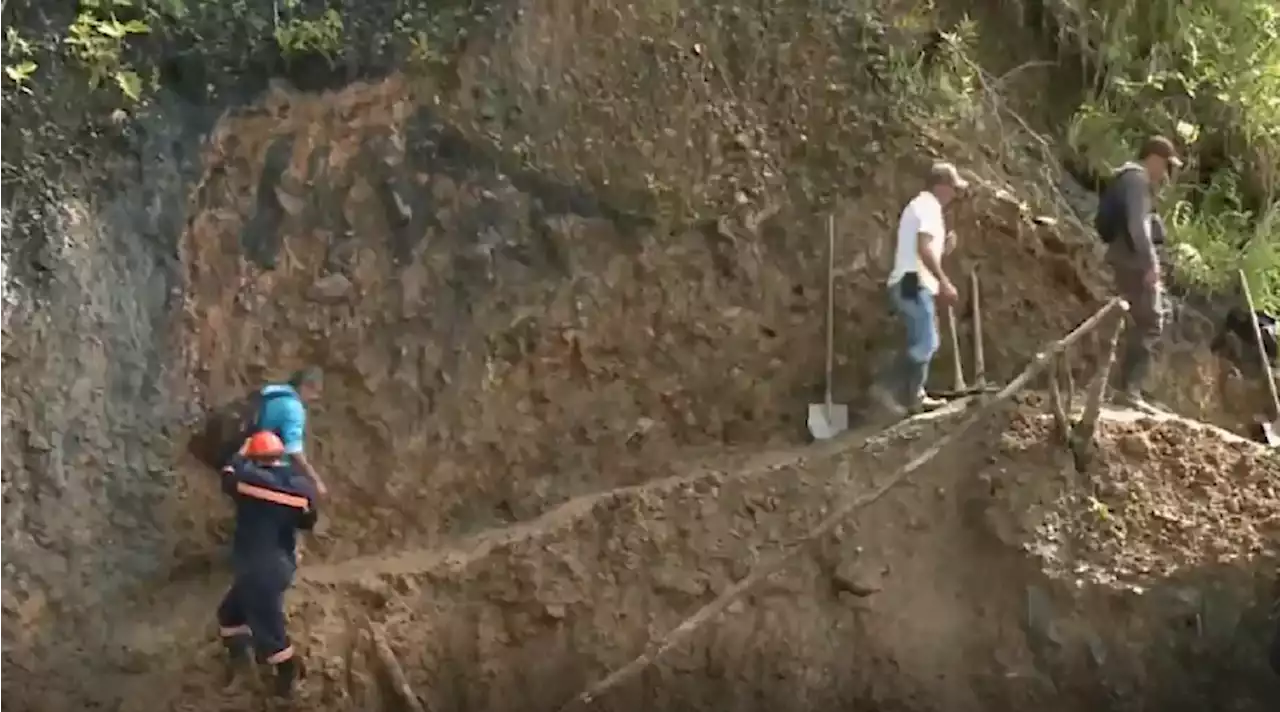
[
  {"x": 1142, "y": 333},
  {"x": 1275, "y": 650},
  {"x": 254, "y": 605}
]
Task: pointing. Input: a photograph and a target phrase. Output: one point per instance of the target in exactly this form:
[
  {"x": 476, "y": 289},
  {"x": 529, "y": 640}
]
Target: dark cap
[
  {"x": 1161, "y": 147},
  {"x": 943, "y": 173},
  {"x": 309, "y": 376}
]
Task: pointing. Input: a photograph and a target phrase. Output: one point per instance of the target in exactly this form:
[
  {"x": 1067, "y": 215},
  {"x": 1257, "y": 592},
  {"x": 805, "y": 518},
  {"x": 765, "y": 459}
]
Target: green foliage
[
  {"x": 97, "y": 39},
  {"x": 430, "y": 39},
  {"x": 299, "y": 35},
  {"x": 1209, "y": 71},
  {"x": 111, "y": 41},
  {"x": 18, "y": 65},
  {"x": 942, "y": 79}
]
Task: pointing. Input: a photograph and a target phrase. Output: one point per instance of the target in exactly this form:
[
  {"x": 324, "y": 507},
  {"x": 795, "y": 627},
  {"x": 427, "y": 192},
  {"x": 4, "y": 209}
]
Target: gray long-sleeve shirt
[{"x": 1138, "y": 251}]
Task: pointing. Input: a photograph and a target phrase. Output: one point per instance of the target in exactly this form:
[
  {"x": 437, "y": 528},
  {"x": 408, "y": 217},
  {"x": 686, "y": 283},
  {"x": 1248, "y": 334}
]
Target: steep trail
[
  {"x": 156, "y": 632},
  {"x": 417, "y": 561},
  {"x": 972, "y": 567},
  {"x": 476, "y": 546}
]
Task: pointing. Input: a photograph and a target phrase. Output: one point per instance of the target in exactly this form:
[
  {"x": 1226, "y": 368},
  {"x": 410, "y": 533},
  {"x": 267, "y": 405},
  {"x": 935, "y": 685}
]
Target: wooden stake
[
  {"x": 1262, "y": 349},
  {"x": 1061, "y": 424},
  {"x": 979, "y": 354},
  {"x": 846, "y": 506},
  {"x": 1069, "y": 374},
  {"x": 1082, "y": 433},
  {"x": 957, "y": 363},
  {"x": 395, "y": 673}
]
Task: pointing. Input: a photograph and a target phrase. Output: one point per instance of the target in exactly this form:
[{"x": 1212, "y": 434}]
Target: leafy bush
[{"x": 1209, "y": 72}]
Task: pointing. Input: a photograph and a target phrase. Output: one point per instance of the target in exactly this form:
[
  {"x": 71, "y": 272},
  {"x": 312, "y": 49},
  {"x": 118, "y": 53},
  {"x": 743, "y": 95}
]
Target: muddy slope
[
  {"x": 956, "y": 592},
  {"x": 496, "y": 343},
  {"x": 501, "y": 333},
  {"x": 506, "y": 342}
]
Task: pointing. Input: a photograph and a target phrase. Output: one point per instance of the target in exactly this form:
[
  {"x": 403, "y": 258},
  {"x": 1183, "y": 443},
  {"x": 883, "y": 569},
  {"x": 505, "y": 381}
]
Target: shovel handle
[
  {"x": 1262, "y": 349},
  {"x": 831, "y": 303},
  {"x": 957, "y": 360}
]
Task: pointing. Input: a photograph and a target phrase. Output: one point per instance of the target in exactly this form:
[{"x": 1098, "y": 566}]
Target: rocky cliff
[{"x": 588, "y": 249}]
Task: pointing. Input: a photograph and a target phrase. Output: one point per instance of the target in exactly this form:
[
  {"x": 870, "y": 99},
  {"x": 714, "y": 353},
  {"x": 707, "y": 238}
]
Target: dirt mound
[{"x": 1168, "y": 495}]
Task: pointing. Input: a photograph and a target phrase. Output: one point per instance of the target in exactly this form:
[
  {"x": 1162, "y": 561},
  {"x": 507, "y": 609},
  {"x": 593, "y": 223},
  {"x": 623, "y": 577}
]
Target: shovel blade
[
  {"x": 1270, "y": 437},
  {"x": 827, "y": 421}
]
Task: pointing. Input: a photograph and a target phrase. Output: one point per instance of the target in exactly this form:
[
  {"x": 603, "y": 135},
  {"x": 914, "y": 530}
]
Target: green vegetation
[
  {"x": 102, "y": 38},
  {"x": 18, "y": 65},
  {"x": 115, "y": 43},
  {"x": 301, "y": 35},
  {"x": 97, "y": 40},
  {"x": 1207, "y": 71}
]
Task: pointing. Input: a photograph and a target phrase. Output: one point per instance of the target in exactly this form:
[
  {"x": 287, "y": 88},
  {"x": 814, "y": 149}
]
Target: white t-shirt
[{"x": 922, "y": 214}]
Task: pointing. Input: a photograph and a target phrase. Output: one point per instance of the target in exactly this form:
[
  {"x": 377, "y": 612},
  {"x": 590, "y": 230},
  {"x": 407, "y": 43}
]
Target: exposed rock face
[
  {"x": 498, "y": 339},
  {"x": 94, "y": 392}
]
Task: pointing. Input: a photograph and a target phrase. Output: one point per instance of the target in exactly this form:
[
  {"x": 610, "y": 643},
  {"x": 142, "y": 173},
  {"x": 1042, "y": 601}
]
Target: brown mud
[
  {"x": 548, "y": 424},
  {"x": 991, "y": 580}
]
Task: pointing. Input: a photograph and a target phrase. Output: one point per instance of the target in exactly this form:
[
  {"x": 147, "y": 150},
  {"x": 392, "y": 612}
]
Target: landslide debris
[{"x": 1165, "y": 495}]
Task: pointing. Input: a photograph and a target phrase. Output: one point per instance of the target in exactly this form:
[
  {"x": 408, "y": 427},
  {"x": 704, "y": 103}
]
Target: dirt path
[
  {"x": 585, "y": 567},
  {"x": 458, "y": 555},
  {"x": 416, "y": 561},
  {"x": 156, "y": 628}
]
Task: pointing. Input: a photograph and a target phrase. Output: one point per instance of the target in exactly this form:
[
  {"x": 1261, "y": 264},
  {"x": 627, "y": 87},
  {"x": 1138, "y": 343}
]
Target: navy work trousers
[{"x": 255, "y": 605}]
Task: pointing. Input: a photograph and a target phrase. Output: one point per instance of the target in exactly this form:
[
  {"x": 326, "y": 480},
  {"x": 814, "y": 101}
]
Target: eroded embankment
[
  {"x": 498, "y": 338},
  {"x": 935, "y": 598}
]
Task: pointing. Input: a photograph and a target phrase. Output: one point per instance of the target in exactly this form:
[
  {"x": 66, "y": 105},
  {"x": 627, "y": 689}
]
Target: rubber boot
[
  {"x": 1133, "y": 373},
  {"x": 238, "y": 657},
  {"x": 287, "y": 674}
]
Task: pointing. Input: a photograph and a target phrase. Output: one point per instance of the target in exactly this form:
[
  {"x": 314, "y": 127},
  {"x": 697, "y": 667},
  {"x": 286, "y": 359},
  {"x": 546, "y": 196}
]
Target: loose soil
[
  {"x": 987, "y": 582},
  {"x": 555, "y": 424}
]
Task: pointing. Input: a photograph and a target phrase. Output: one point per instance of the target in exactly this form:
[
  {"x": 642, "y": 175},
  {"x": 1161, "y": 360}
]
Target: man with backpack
[{"x": 1128, "y": 224}]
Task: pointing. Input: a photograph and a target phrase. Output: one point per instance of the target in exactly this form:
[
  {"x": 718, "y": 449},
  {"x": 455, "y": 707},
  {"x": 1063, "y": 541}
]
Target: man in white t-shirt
[{"x": 915, "y": 284}]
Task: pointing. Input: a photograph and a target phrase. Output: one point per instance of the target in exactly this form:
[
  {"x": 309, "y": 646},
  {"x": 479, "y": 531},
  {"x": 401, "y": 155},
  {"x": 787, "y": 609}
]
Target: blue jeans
[{"x": 909, "y": 368}]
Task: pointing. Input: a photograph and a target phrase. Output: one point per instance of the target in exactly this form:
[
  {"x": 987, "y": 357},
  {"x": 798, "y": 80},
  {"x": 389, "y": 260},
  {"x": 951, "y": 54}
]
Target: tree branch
[
  {"x": 1061, "y": 425},
  {"x": 394, "y": 672},
  {"x": 845, "y": 507},
  {"x": 1082, "y": 434}
]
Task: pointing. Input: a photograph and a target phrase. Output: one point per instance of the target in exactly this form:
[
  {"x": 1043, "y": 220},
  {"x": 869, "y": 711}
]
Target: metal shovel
[
  {"x": 827, "y": 419},
  {"x": 1268, "y": 424}
]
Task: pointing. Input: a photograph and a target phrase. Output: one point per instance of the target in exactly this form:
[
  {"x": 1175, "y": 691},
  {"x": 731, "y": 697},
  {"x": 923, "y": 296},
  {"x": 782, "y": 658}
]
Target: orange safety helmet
[{"x": 263, "y": 445}]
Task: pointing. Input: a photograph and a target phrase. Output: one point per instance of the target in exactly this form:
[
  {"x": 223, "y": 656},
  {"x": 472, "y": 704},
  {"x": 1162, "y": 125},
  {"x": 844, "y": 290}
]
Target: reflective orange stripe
[
  {"x": 267, "y": 495},
  {"x": 281, "y": 656}
]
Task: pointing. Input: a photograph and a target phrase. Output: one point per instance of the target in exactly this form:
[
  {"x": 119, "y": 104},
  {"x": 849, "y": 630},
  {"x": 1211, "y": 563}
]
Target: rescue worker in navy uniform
[{"x": 273, "y": 501}]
